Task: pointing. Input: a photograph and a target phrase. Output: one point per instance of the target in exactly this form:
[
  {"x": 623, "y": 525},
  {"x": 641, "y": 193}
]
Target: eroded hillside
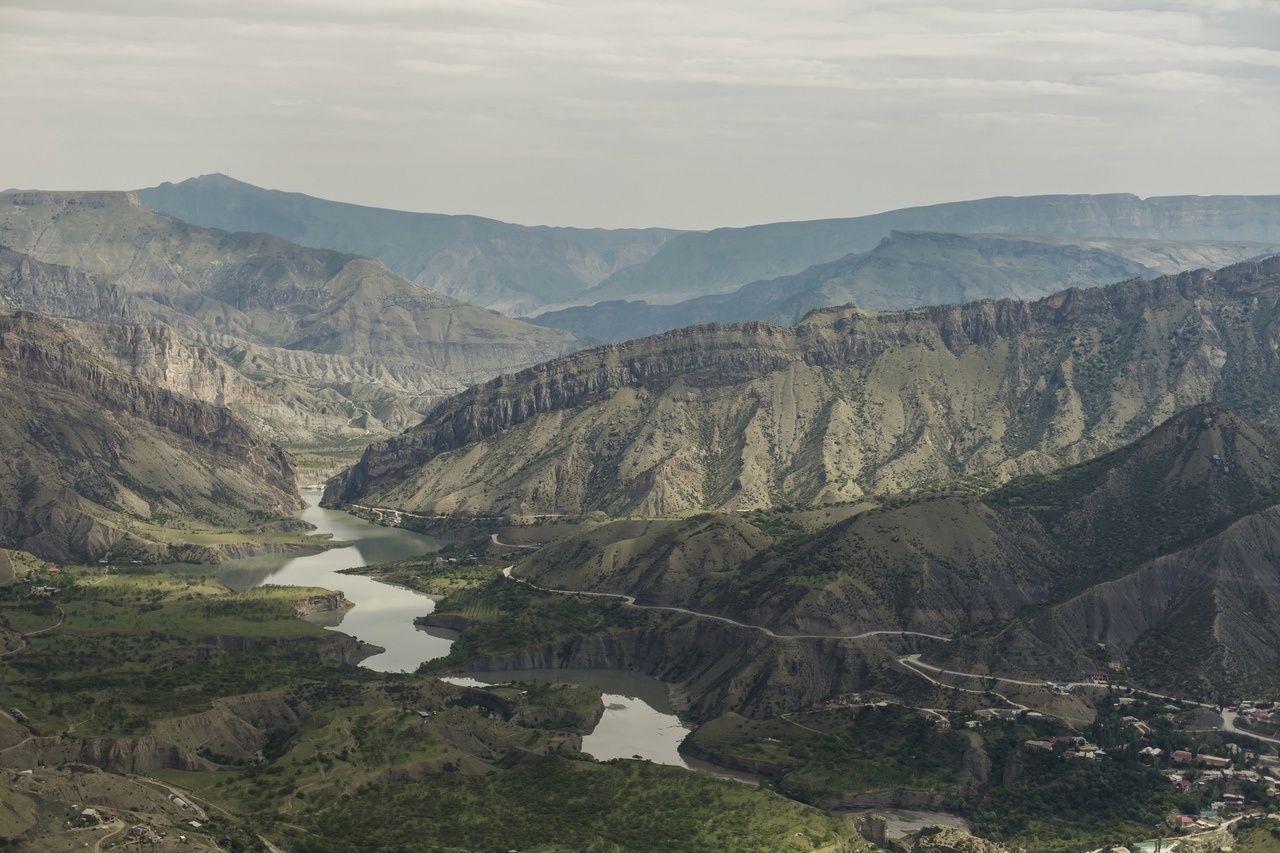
[
  {"x": 341, "y": 342},
  {"x": 844, "y": 404},
  {"x": 99, "y": 464}
]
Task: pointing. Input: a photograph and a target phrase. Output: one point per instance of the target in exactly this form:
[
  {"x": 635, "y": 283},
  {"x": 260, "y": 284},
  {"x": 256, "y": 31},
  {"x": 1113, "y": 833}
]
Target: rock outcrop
[
  {"x": 92, "y": 451},
  {"x": 844, "y": 404}
]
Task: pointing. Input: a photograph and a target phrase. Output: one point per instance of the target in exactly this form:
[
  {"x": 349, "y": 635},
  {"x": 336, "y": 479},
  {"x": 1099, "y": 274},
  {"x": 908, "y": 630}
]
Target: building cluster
[{"x": 1074, "y": 746}]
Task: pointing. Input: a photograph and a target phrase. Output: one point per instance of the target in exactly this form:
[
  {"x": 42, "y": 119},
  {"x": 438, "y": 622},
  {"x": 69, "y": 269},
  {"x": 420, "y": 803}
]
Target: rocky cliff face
[
  {"x": 1165, "y": 551},
  {"x": 845, "y": 403},
  {"x": 338, "y": 344},
  {"x": 93, "y": 451}
]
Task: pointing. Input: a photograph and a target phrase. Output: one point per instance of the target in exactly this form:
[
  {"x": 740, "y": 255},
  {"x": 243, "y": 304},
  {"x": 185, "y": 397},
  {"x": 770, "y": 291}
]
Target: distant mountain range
[
  {"x": 910, "y": 269},
  {"x": 527, "y": 270},
  {"x": 512, "y": 268},
  {"x": 844, "y": 404},
  {"x": 719, "y": 261},
  {"x": 310, "y": 344}
]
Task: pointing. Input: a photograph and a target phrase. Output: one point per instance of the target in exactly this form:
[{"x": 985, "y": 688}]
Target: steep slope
[
  {"x": 334, "y": 336},
  {"x": 1203, "y": 618},
  {"x": 718, "y": 261},
  {"x": 1185, "y": 481},
  {"x": 1167, "y": 551},
  {"x": 1187, "y": 523},
  {"x": 907, "y": 270},
  {"x": 98, "y": 463},
  {"x": 845, "y": 403},
  {"x": 512, "y": 268},
  {"x": 937, "y": 566}
]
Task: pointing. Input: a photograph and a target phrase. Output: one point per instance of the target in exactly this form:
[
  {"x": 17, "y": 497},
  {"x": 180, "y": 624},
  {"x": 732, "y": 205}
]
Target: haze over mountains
[
  {"x": 335, "y": 344},
  {"x": 910, "y": 269},
  {"x": 512, "y": 268},
  {"x": 242, "y": 336},
  {"x": 721, "y": 260},
  {"x": 526, "y": 270}
]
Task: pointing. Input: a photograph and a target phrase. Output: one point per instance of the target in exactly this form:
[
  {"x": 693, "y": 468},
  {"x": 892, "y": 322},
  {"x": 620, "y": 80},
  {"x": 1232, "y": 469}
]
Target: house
[
  {"x": 1181, "y": 756},
  {"x": 1040, "y": 744},
  {"x": 90, "y": 816},
  {"x": 1214, "y": 760},
  {"x": 1185, "y": 822}
]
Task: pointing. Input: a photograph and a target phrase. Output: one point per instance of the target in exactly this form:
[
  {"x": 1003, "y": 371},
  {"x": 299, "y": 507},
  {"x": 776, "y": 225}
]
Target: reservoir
[{"x": 638, "y": 719}]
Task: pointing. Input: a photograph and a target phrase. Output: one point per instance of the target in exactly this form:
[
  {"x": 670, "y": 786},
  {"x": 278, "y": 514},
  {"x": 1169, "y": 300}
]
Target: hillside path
[{"x": 630, "y": 601}]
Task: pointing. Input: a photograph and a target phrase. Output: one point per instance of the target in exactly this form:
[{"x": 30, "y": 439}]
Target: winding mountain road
[
  {"x": 630, "y": 601},
  {"x": 912, "y": 663}
]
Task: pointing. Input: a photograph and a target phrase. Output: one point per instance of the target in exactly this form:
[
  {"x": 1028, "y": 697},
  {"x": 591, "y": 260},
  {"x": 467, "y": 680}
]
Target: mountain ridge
[
  {"x": 497, "y": 264},
  {"x": 333, "y": 337},
  {"x": 845, "y": 403},
  {"x": 721, "y": 260},
  {"x": 1192, "y": 609},
  {"x": 914, "y": 269}
]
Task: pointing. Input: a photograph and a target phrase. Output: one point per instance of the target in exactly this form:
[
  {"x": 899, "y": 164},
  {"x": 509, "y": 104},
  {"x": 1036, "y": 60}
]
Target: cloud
[{"x": 535, "y": 103}]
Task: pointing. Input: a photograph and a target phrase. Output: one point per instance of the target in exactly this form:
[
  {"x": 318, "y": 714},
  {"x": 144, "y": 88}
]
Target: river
[
  {"x": 638, "y": 718},
  {"x": 383, "y": 613}
]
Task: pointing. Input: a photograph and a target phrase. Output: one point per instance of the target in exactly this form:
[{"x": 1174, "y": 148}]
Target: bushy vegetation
[
  {"x": 135, "y": 649},
  {"x": 827, "y": 756},
  {"x": 1047, "y": 803},
  {"x": 1258, "y": 837},
  {"x": 431, "y": 575},
  {"x": 558, "y": 804},
  {"x": 507, "y": 616}
]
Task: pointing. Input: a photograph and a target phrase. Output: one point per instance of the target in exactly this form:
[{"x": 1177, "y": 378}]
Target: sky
[{"x": 614, "y": 113}]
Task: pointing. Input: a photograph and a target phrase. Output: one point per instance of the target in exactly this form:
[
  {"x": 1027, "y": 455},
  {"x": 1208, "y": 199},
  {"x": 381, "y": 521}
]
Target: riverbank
[{"x": 378, "y": 614}]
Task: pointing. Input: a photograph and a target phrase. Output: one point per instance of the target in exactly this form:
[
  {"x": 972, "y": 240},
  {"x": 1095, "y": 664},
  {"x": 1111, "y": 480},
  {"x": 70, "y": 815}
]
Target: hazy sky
[{"x": 645, "y": 112}]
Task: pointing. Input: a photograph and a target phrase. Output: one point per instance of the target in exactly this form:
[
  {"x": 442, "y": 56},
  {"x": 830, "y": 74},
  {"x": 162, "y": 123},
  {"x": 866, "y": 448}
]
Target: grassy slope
[{"x": 560, "y": 805}]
